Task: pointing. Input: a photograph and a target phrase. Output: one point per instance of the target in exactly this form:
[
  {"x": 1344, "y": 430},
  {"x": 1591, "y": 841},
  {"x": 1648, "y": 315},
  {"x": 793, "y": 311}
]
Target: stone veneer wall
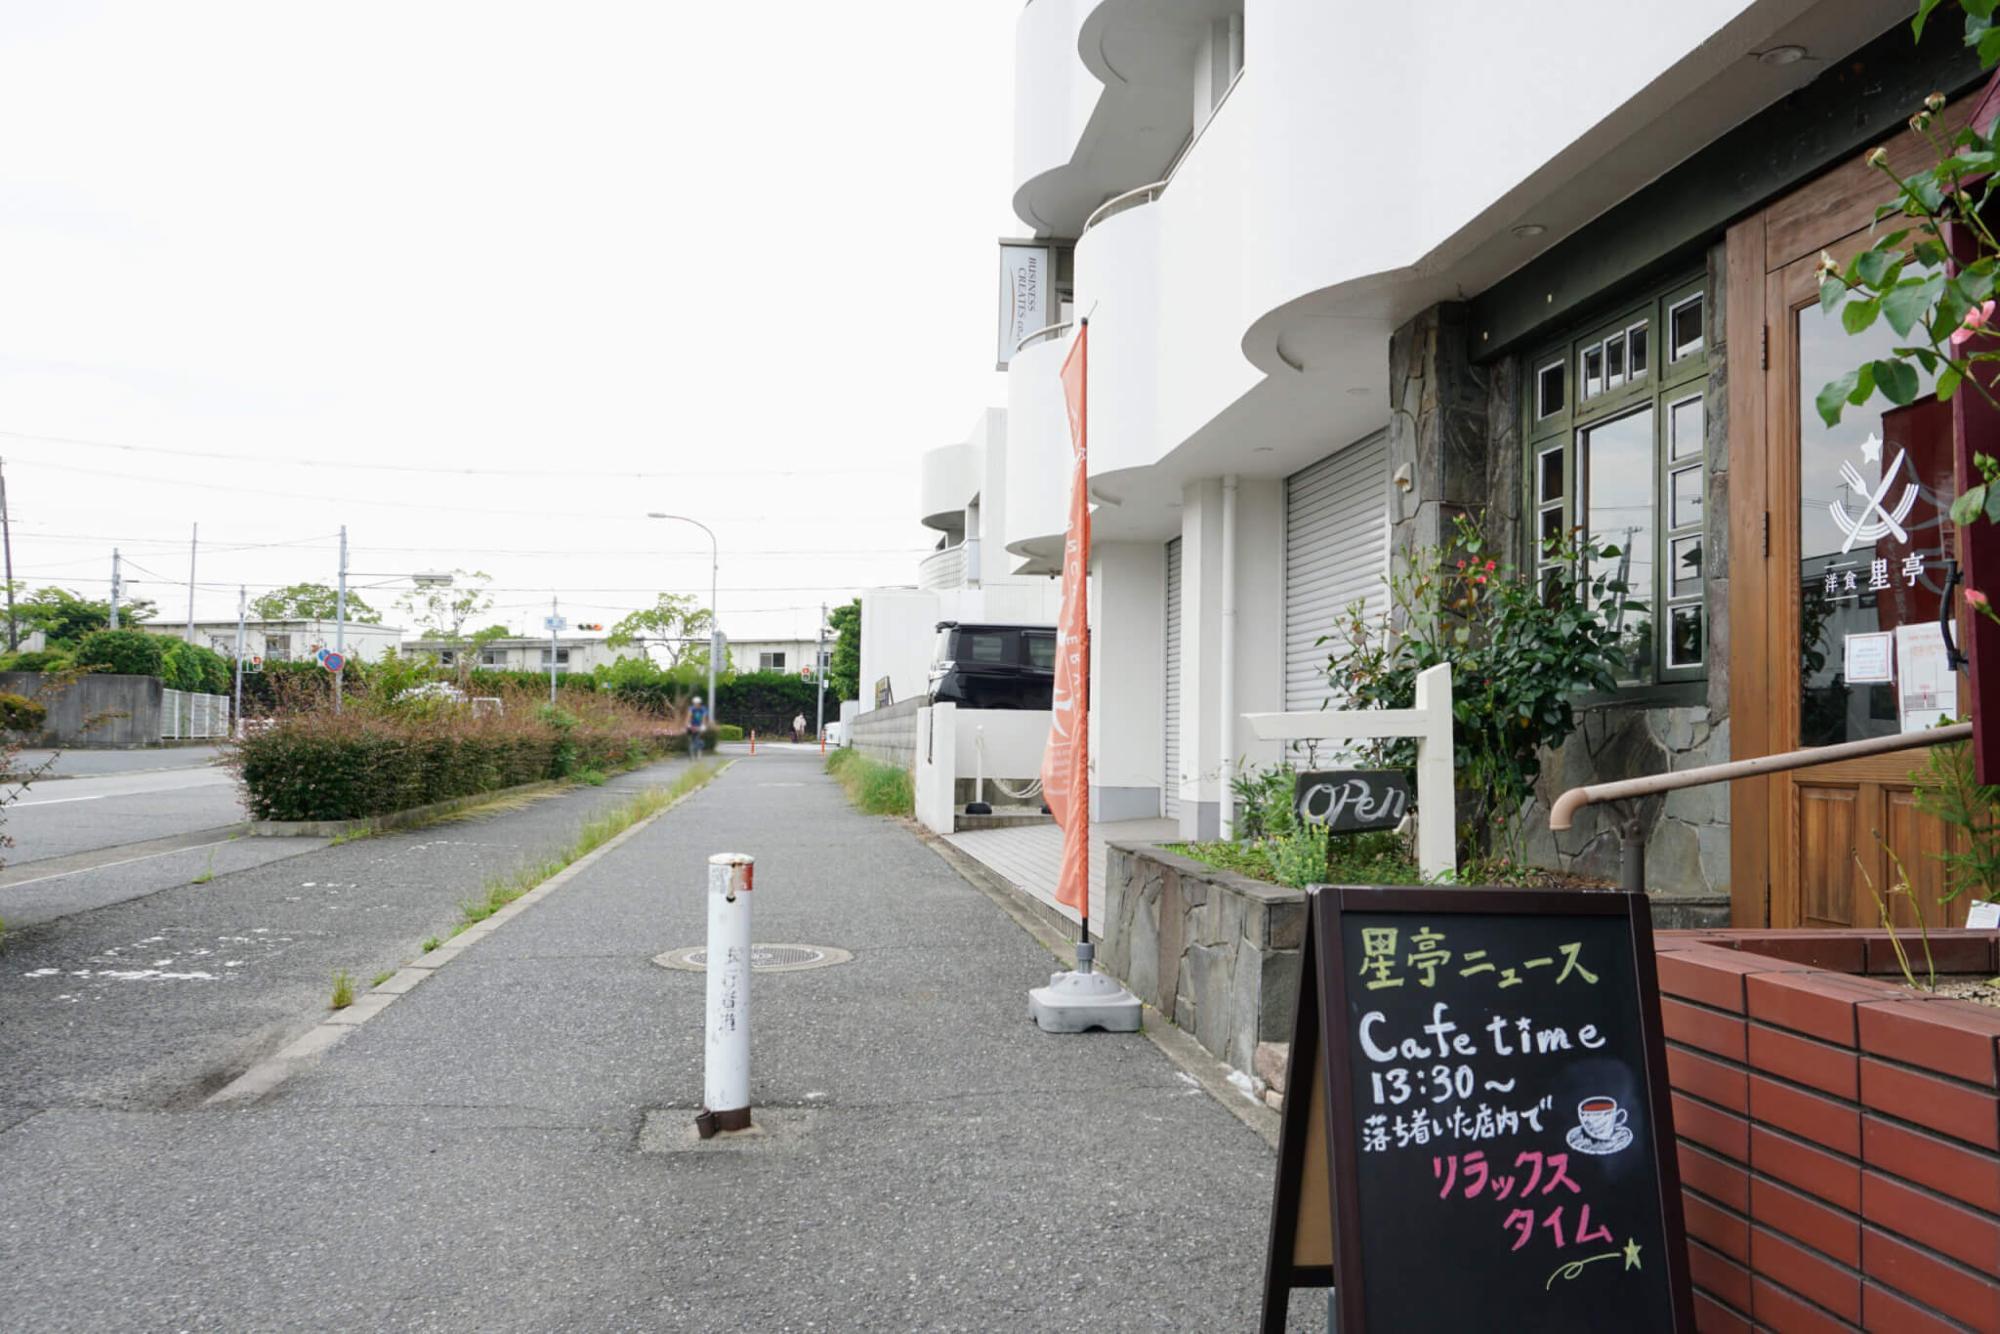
[
  {"x": 1457, "y": 426},
  {"x": 1218, "y": 953}
]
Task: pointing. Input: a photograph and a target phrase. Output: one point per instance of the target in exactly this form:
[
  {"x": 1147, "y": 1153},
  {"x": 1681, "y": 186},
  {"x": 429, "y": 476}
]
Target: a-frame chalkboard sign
[{"x": 1477, "y": 1132}]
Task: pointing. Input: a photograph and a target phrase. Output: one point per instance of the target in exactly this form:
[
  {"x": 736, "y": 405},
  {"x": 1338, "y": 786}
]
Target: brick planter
[{"x": 1839, "y": 1134}]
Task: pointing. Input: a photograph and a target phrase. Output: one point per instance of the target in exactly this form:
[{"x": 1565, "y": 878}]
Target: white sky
[{"x": 748, "y": 245}]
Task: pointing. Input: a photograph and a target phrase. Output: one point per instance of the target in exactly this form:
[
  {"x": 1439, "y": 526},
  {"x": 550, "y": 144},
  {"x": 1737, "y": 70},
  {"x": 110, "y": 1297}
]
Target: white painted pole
[
  {"x": 242, "y": 610},
  {"x": 726, "y": 1079},
  {"x": 1226, "y": 734},
  {"x": 1437, "y": 811},
  {"x": 340, "y": 625}
]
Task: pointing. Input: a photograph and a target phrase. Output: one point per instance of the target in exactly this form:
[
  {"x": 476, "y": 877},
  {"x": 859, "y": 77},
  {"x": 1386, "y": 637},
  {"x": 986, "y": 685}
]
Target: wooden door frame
[{"x": 1762, "y": 592}]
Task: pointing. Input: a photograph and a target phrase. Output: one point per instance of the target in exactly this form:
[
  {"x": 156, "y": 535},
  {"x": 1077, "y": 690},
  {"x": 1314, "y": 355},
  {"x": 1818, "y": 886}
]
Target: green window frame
[{"x": 1615, "y": 444}]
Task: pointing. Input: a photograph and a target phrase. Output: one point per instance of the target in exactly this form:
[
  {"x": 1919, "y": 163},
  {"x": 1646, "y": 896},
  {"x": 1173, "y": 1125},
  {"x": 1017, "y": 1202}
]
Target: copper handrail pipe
[{"x": 1574, "y": 800}]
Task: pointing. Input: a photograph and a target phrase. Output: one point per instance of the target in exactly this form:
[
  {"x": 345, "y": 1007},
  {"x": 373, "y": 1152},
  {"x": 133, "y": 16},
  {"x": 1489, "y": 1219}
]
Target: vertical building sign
[{"x": 1024, "y": 296}]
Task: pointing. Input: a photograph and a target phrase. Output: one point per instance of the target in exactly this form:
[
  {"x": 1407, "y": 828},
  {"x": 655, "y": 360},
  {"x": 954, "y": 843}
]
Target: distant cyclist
[{"x": 697, "y": 723}]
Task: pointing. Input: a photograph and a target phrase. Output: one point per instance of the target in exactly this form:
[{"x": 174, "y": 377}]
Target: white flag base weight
[{"x": 1079, "y": 1001}]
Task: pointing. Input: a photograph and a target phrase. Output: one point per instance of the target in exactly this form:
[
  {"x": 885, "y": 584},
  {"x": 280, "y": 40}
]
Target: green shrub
[
  {"x": 124, "y": 652},
  {"x": 874, "y": 787},
  {"x": 186, "y": 666},
  {"x": 375, "y": 758},
  {"x": 36, "y": 660},
  {"x": 18, "y": 713},
  {"x": 726, "y": 732}
]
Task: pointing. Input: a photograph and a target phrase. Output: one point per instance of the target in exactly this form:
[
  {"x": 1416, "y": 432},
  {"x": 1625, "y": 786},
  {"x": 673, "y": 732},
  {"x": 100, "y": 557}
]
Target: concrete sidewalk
[{"x": 509, "y": 1146}]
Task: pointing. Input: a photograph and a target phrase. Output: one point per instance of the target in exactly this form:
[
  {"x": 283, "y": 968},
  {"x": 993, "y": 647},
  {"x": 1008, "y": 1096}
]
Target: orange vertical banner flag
[{"x": 1066, "y": 761}]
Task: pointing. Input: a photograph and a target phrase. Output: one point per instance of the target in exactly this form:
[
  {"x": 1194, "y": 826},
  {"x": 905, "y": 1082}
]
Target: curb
[
  {"x": 380, "y": 824},
  {"x": 304, "y": 1051},
  {"x": 1194, "y": 1060}
]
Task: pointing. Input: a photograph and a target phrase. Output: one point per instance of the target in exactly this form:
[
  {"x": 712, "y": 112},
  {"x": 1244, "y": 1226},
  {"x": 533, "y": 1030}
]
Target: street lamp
[{"x": 714, "y": 620}]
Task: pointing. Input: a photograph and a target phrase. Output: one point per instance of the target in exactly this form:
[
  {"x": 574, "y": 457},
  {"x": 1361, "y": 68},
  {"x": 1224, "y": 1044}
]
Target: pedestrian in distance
[
  {"x": 697, "y": 723},
  {"x": 798, "y": 728}
]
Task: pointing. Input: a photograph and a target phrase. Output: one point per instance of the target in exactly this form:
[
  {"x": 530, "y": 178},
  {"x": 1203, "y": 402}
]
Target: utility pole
[
  {"x": 194, "y": 541},
  {"x": 242, "y": 609},
  {"x": 554, "y": 621},
  {"x": 340, "y": 623},
  {"x": 819, "y": 669},
  {"x": 7, "y": 540},
  {"x": 114, "y": 588}
]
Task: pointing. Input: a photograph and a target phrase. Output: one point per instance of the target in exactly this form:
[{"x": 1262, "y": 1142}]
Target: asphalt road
[
  {"x": 510, "y": 1145},
  {"x": 155, "y": 1001},
  {"x": 86, "y": 763},
  {"x": 57, "y": 819}
]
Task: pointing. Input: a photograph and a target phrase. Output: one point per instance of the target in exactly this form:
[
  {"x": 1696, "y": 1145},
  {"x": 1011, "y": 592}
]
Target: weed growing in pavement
[
  {"x": 343, "y": 990},
  {"x": 595, "y": 833},
  {"x": 590, "y": 777},
  {"x": 207, "y": 872},
  {"x": 875, "y": 788},
  {"x": 351, "y": 836},
  {"x": 431, "y": 943},
  {"x": 382, "y": 977}
]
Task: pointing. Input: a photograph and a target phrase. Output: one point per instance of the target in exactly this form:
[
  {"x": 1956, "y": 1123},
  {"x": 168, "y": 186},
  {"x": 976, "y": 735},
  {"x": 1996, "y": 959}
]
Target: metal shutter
[
  {"x": 1336, "y": 554},
  {"x": 1170, "y": 783}
]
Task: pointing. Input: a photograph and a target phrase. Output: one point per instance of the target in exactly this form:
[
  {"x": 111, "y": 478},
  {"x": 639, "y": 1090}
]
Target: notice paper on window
[
  {"x": 1927, "y": 688},
  {"x": 1871, "y": 658}
]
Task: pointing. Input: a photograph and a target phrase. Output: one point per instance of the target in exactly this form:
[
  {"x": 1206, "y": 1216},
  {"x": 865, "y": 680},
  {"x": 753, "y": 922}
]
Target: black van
[{"x": 989, "y": 665}]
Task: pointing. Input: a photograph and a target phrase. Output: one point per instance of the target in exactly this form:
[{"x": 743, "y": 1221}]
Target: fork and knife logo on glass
[{"x": 1876, "y": 519}]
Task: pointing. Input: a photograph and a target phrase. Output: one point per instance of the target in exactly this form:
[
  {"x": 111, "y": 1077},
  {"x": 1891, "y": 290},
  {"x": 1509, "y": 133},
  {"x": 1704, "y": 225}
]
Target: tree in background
[
  {"x": 843, "y": 665},
  {"x": 66, "y": 618},
  {"x": 125, "y": 652},
  {"x": 312, "y": 602},
  {"x": 678, "y": 623},
  {"x": 441, "y": 612}
]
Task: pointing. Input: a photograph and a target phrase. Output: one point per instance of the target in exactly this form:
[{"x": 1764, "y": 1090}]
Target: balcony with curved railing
[{"x": 942, "y": 570}]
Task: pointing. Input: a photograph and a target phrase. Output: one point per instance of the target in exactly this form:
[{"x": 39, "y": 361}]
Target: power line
[
  {"x": 427, "y": 507},
  {"x": 594, "y": 552},
  {"x": 434, "y": 470}
]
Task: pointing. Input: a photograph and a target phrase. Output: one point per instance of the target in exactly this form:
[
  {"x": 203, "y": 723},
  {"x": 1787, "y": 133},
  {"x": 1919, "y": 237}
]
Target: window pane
[
  {"x": 1549, "y": 391},
  {"x": 1684, "y": 422},
  {"x": 1635, "y": 338},
  {"x": 1552, "y": 476},
  {"x": 1684, "y": 645},
  {"x": 1684, "y": 327},
  {"x": 1552, "y": 527},
  {"x": 1687, "y": 498},
  {"x": 1614, "y": 362},
  {"x": 1618, "y": 470},
  {"x": 1042, "y": 651},
  {"x": 1686, "y": 572},
  {"x": 1593, "y": 371},
  {"x": 984, "y": 648}
]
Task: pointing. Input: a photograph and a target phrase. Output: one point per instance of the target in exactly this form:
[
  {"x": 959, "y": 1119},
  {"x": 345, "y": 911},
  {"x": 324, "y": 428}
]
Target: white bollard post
[
  {"x": 978, "y": 805},
  {"x": 726, "y": 1080}
]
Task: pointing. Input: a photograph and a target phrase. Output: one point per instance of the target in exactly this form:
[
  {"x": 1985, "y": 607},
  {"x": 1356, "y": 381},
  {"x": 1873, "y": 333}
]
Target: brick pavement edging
[
  {"x": 305, "y": 1050},
  {"x": 1839, "y": 1134}
]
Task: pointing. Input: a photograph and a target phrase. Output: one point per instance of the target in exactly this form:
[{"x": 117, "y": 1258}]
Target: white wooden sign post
[{"x": 1430, "y": 723}]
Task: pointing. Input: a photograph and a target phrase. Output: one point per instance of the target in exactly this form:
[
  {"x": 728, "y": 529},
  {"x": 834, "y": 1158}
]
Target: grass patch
[
  {"x": 431, "y": 943},
  {"x": 591, "y": 777},
  {"x": 600, "y": 829},
  {"x": 351, "y": 836},
  {"x": 382, "y": 977},
  {"x": 1351, "y": 859},
  {"x": 343, "y": 990},
  {"x": 874, "y": 788}
]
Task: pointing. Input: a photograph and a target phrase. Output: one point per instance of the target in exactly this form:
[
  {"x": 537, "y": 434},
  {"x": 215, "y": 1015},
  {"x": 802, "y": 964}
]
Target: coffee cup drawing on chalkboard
[{"x": 1600, "y": 1127}]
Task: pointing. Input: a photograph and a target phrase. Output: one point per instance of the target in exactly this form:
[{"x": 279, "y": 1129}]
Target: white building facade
[
  {"x": 524, "y": 654},
  {"x": 964, "y": 495},
  {"x": 292, "y": 641},
  {"x": 1337, "y": 262}
]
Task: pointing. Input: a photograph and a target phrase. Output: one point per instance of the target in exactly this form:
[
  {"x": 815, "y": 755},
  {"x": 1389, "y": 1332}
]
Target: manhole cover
[{"x": 763, "y": 958}]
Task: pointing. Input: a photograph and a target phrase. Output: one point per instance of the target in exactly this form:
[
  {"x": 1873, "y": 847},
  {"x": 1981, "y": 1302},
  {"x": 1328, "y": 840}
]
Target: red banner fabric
[{"x": 1066, "y": 761}]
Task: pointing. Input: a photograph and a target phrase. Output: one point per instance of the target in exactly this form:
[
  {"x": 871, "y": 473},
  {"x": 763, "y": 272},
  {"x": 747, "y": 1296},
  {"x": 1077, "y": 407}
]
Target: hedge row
[{"x": 325, "y": 767}]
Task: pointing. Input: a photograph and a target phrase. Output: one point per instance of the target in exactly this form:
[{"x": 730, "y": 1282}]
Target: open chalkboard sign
[{"x": 1477, "y": 1133}]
